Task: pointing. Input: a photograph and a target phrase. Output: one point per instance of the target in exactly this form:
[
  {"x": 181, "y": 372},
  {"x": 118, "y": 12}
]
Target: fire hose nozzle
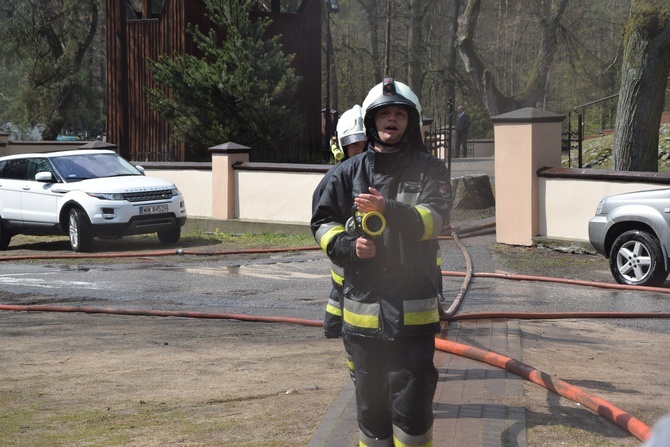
[{"x": 368, "y": 225}]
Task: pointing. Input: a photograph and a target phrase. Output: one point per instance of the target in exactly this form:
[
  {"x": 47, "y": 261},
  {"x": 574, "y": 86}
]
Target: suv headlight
[
  {"x": 175, "y": 192},
  {"x": 107, "y": 195},
  {"x": 600, "y": 206}
]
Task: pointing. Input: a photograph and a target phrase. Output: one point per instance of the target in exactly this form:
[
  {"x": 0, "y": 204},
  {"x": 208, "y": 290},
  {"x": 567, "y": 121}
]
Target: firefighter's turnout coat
[
  {"x": 332, "y": 322},
  {"x": 394, "y": 294}
]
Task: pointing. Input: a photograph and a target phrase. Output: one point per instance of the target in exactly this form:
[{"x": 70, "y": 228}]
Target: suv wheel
[
  {"x": 81, "y": 236},
  {"x": 5, "y": 237},
  {"x": 170, "y": 236},
  {"x": 636, "y": 258}
]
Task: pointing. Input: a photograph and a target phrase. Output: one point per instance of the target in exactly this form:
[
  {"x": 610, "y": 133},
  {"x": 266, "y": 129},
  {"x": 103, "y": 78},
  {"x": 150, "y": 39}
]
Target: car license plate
[{"x": 153, "y": 209}]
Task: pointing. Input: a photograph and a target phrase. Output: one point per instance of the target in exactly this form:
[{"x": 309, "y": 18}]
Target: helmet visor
[{"x": 353, "y": 138}]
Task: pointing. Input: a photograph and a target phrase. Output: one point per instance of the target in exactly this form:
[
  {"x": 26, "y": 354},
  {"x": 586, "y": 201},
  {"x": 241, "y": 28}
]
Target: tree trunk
[
  {"x": 483, "y": 78},
  {"x": 370, "y": 8},
  {"x": 484, "y": 81},
  {"x": 452, "y": 52},
  {"x": 56, "y": 120},
  {"x": 387, "y": 45},
  {"x": 414, "y": 71},
  {"x": 536, "y": 86},
  {"x": 646, "y": 64},
  {"x": 73, "y": 51}
]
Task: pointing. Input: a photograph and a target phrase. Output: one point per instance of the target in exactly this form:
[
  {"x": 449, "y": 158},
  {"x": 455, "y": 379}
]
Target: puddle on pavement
[{"x": 275, "y": 271}]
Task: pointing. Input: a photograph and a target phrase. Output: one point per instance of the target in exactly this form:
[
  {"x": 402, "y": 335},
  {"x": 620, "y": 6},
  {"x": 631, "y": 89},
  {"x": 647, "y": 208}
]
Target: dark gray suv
[{"x": 633, "y": 231}]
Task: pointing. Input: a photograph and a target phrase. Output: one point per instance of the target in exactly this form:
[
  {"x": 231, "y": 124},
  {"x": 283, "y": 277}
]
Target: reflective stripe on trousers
[
  {"x": 415, "y": 313},
  {"x": 395, "y": 386}
]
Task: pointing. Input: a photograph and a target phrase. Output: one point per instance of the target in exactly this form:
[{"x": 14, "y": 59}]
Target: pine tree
[
  {"x": 46, "y": 72},
  {"x": 240, "y": 88}
]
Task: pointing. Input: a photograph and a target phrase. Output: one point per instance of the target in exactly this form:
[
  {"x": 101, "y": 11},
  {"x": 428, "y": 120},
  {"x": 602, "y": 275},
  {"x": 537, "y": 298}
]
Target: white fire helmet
[
  {"x": 350, "y": 130},
  {"x": 387, "y": 93}
]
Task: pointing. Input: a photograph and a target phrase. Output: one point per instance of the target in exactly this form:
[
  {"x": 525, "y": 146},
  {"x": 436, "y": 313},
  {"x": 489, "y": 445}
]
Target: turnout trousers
[{"x": 395, "y": 385}]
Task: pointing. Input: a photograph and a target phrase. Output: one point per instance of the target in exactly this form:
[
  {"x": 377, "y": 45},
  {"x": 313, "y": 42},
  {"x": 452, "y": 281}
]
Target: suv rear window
[{"x": 15, "y": 169}]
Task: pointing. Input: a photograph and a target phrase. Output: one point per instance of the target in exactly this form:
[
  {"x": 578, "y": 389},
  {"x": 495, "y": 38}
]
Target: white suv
[{"x": 85, "y": 194}]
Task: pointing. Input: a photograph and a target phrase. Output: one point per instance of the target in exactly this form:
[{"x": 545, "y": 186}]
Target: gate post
[
  {"x": 525, "y": 141},
  {"x": 224, "y": 156}
]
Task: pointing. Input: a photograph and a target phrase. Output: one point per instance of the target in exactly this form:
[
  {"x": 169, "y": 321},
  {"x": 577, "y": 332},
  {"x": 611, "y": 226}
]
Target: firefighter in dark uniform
[
  {"x": 391, "y": 305},
  {"x": 351, "y": 140}
]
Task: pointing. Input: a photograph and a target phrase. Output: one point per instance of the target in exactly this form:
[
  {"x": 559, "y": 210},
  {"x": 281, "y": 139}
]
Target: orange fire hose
[
  {"x": 600, "y": 406},
  {"x": 160, "y": 313},
  {"x": 555, "y": 315},
  {"x": 633, "y": 425},
  {"x": 577, "y": 282},
  {"x": 139, "y": 254}
]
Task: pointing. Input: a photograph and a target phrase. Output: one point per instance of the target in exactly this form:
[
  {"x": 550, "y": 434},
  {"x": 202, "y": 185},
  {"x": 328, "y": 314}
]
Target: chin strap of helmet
[{"x": 375, "y": 136}]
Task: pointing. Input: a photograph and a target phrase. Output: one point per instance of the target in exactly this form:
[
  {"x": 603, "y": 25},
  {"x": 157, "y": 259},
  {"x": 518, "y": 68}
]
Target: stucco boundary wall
[
  {"x": 569, "y": 197},
  {"x": 233, "y": 194},
  {"x": 535, "y": 198}
]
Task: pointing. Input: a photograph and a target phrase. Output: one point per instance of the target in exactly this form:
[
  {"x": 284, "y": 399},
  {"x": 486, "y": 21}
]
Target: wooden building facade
[{"x": 159, "y": 29}]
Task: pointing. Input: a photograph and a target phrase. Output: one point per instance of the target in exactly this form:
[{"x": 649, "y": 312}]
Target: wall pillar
[
  {"x": 4, "y": 139},
  {"x": 224, "y": 156},
  {"x": 525, "y": 141}
]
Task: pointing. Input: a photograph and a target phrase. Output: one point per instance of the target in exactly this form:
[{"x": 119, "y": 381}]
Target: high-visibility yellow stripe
[
  {"x": 418, "y": 318},
  {"x": 432, "y": 222},
  {"x": 427, "y": 219},
  {"x": 418, "y": 312},
  {"x": 362, "y": 321},
  {"x": 333, "y": 310},
  {"x": 326, "y": 233},
  {"x": 336, "y": 278},
  {"x": 337, "y": 269},
  {"x": 402, "y": 439},
  {"x": 329, "y": 236},
  {"x": 398, "y": 443}
]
